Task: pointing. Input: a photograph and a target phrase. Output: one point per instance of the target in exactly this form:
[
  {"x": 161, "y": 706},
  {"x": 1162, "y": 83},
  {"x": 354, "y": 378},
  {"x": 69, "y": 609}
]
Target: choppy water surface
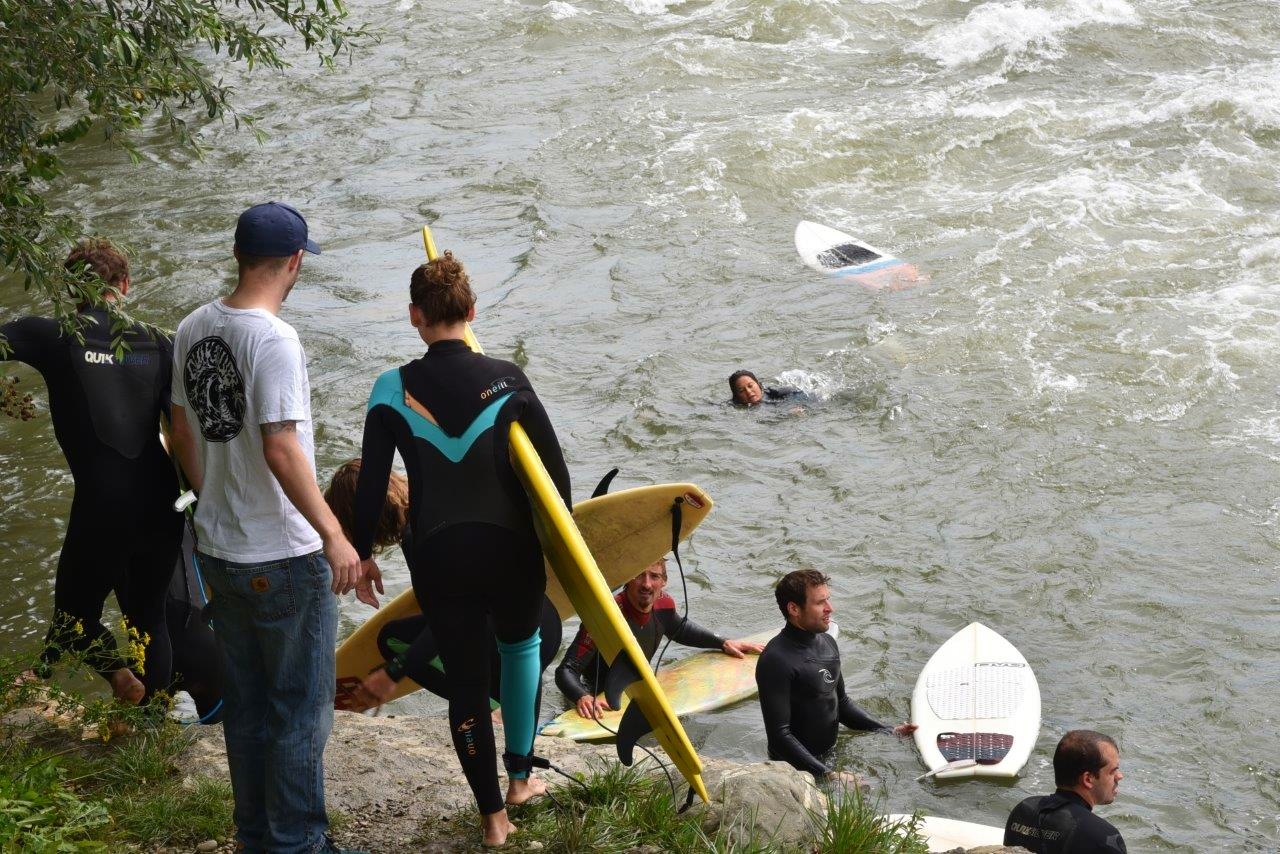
[{"x": 1071, "y": 434}]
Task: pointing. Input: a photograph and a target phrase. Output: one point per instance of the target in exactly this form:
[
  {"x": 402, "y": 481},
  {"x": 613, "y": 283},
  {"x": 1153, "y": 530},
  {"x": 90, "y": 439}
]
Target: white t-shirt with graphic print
[{"x": 234, "y": 370}]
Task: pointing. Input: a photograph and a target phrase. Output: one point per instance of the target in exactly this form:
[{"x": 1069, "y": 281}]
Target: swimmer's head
[
  {"x": 745, "y": 388},
  {"x": 341, "y": 498},
  {"x": 99, "y": 256},
  {"x": 441, "y": 291}
]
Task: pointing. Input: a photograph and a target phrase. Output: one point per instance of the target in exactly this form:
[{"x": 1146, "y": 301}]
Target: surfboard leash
[{"x": 677, "y": 524}]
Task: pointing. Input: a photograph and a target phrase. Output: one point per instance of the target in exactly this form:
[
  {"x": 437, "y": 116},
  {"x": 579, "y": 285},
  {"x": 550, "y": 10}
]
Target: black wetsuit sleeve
[
  {"x": 376, "y": 453},
  {"x": 164, "y": 342},
  {"x": 773, "y": 678},
  {"x": 535, "y": 422},
  {"x": 852, "y": 716},
  {"x": 569, "y": 673},
  {"x": 686, "y": 631},
  {"x": 410, "y": 649},
  {"x": 29, "y": 340}
]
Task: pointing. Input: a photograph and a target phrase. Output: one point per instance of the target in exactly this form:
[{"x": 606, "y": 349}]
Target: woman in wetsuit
[
  {"x": 476, "y": 557},
  {"x": 747, "y": 391},
  {"x": 123, "y": 534},
  {"x": 408, "y": 645}
]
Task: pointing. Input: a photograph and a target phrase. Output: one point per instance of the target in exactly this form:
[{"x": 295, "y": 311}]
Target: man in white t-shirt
[{"x": 268, "y": 545}]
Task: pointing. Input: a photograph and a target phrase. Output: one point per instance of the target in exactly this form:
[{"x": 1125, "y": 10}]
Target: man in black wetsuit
[
  {"x": 802, "y": 694},
  {"x": 1086, "y": 769},
  {"x": 123, "y": 533},
  {"x": 651, "y": 615}
]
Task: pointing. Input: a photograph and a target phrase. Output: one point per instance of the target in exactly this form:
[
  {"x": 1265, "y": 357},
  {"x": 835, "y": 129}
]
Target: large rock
[{"x": 769, "y": 800}]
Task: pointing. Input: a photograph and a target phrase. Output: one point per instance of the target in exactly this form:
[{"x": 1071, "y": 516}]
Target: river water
[{"x": 1070, "y": 434}]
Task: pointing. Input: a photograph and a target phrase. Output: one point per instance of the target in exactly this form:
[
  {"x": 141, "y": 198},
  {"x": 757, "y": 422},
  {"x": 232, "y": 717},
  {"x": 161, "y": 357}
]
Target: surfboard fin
[
  {"x": 621, "y": 674},
  {"x": 633, "y": 727},
  {"x": 602, "y": 487}
]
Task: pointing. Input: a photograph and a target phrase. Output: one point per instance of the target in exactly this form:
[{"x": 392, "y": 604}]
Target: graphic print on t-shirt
[{"x": 215, "y": 389}]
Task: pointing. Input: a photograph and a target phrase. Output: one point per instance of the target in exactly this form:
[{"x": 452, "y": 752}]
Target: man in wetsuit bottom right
[
  {"x": 802, "y": 696},
  {"x": 1086, "y": 770}
]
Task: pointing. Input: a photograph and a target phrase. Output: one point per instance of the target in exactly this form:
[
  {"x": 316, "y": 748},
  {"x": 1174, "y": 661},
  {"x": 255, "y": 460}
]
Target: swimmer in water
[{"x": 747, "y": 390}]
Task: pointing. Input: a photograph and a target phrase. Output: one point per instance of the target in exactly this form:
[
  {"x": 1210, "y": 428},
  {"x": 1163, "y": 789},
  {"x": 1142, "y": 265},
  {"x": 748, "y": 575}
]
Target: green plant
[
  {"x": 616, "y": 809},
  {"x": 75, "y": 69},
  {"x": 38, "y": 813},
  {"x": 62, "y": 791},
  {"x": 174, "y": 813},
  {"x": 851, "y": 824}
]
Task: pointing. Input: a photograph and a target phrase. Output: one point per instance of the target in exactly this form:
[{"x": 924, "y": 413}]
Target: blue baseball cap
[{"x": 273, "y": 230}]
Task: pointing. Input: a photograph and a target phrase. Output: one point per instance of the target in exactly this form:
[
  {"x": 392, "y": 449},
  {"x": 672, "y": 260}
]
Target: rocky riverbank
[{"x": 393, "y": 787}]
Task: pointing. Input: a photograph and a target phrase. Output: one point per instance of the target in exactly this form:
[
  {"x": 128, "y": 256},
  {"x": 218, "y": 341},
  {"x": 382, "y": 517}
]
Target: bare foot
[
  {"x": 26, "y": 677},
  {"x": 126, "y": 687},
  {"x": 497, "y": 827},
  {"x": 523, "y": 791}
]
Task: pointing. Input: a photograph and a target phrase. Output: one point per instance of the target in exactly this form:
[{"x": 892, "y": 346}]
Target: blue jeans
[{"x": 276, "y": 625}]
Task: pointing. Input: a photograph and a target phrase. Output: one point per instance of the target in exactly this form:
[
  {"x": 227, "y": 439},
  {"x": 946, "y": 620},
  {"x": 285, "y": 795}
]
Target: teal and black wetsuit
[
  {"x": 123, "y": 533},
  {"x": 1061, "y": 823},
  {"x": 475, "y": 552},
  {"x": 803, "y": 701}
]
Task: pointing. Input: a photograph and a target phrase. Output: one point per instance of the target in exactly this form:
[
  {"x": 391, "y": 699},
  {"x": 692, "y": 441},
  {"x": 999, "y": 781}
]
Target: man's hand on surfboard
[
  {"x": 374, "y": 690},
  {"x": 371, "y": 579},
  {"x": 740, "y": 648},
  {"x": 591, "y": 707},
  {"x": 904, "y": 730},
  {"x": 849, "y": 780}
]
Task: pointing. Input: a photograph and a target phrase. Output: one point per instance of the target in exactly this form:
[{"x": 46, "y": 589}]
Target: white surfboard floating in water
[
  {"x": 833, "y": 252},
  {"x": 977, "y": 704}
]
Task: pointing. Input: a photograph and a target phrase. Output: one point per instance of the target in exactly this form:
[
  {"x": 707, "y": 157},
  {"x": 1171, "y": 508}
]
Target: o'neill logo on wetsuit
[
  {"x": 468, "y": 737},
  {"x": 826, "y": 676},
  {"x": 498, "y": 385},
  {"x": 215, "y": 389}
]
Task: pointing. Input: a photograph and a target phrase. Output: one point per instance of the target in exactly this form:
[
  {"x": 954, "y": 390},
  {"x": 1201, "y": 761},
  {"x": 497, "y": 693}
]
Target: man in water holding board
[
  {"x": 1086, "y": 770},
  {"x": 802, "y": 694},
  {"x": 651, "y": 615}
]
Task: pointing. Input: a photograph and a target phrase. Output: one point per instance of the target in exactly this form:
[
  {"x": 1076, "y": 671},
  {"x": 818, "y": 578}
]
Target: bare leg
[
  {"x": 497, "y": 827},
  {"x": 521, "y": 791}
]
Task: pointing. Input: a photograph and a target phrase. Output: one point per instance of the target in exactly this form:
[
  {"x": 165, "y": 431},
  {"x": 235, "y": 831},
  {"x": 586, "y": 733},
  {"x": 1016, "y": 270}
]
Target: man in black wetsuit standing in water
[
  {"x": 802, "y": 694},
  {"x": 123, "y": 533},
  {"x": 1086, "y": 770},
  {"x": 651, "y": 615}
]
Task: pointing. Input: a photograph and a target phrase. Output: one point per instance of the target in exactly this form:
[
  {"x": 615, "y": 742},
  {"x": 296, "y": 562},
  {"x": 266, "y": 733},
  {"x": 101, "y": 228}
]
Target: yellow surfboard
[
  {"x": 576, "y": 569},
  {"x": 626, "y": 531},
  {"x": 700, "y": 683}
]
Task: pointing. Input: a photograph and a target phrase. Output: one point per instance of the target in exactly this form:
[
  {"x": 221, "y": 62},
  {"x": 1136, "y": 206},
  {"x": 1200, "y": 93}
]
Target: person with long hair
[{"x": 409, "y": 648}]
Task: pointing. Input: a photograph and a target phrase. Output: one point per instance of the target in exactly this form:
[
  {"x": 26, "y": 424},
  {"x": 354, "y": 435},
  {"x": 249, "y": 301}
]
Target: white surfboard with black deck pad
[
  {"x": 977, "y": 705},
  {"x": 835, "y": 253}
]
